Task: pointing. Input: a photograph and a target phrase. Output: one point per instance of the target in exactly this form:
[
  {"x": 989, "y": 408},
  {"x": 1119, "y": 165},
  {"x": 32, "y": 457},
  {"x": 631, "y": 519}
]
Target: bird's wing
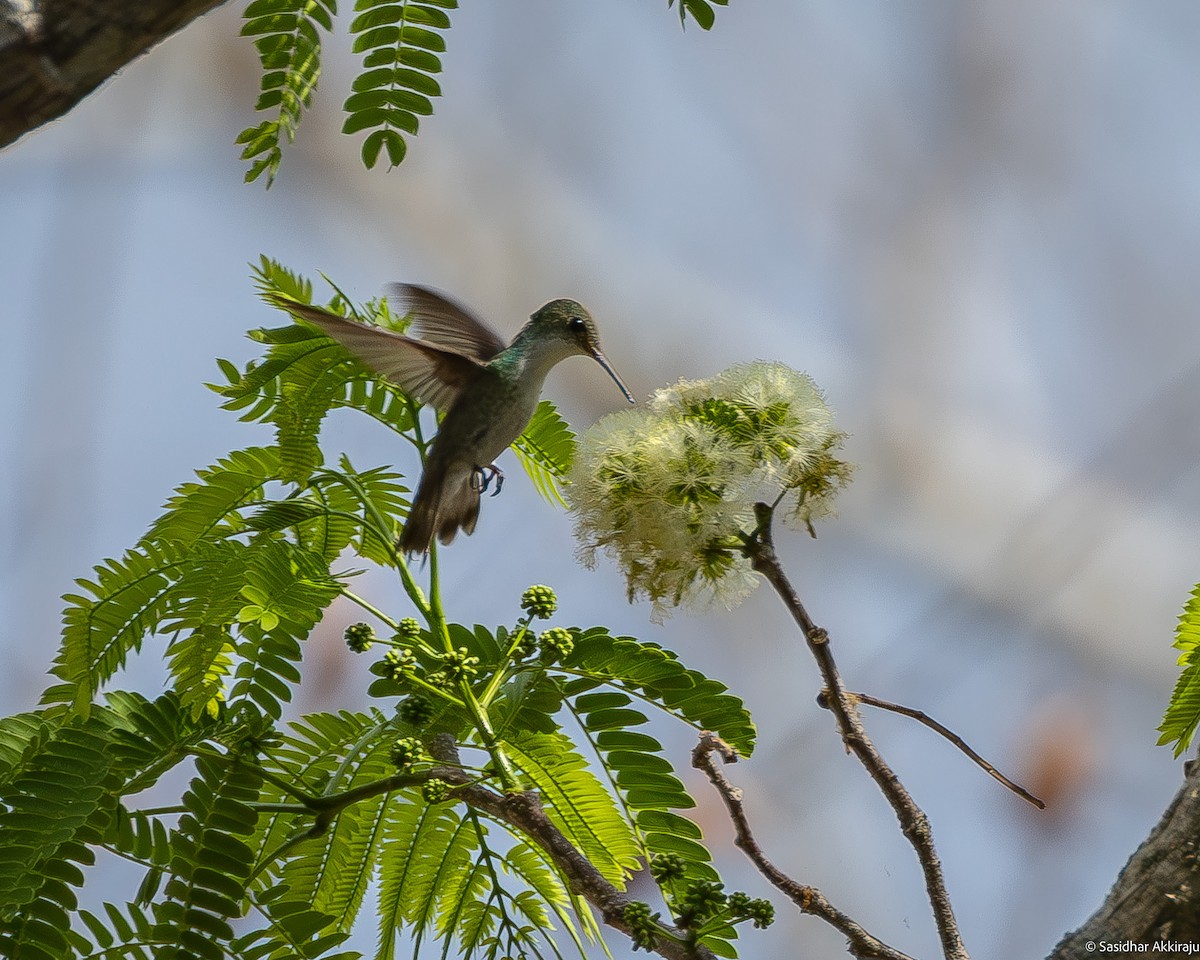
[
  {"x": 423, "y": 371},
  {"x": 439, "y": 320}
]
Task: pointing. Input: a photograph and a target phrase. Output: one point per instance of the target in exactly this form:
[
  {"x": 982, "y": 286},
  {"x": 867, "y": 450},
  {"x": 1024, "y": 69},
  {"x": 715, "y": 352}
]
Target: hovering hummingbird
[{"x": 487, "y": 391}]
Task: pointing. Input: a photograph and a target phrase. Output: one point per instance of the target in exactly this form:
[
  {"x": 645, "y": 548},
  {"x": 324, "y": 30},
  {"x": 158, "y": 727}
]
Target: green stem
[
  {"x": 502, "y": 674},
  {"x": 370, "y": 608},
  {"x": 483, "y": 724}
]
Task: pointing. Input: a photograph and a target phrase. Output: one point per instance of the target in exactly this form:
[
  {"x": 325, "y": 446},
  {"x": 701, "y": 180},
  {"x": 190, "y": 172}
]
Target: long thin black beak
[{"x": 603, "y": 361}]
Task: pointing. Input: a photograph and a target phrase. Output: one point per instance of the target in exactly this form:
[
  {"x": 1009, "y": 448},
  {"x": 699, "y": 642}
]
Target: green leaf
[
  {"x": 211, "y": 861},
  {"x": 1183, "y": 713},
  {"x": 577, "y": 802},
  {"x": 400, "y": 44},
  {"x": 107, "y": 622},
  {"x": 198, "y": 510},
  {"x": 657, "y": 674},
  {"x": 546, "y": 450},
  {"x": 286, "y": 34},
  {"x": 430, "y": 849}
]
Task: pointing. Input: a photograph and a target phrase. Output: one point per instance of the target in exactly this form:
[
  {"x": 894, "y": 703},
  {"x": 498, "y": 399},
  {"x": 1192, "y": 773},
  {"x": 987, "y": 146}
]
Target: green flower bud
[
  {"x": 702, "y": 899},
  {"x": 539, "y": 601},
  {"x": 643, "y": 925},
  {"x": 666, "y": 867},
  {"x": 435, "y": 790},
  {"x": 415, "y": 709},
  {"x": 359, "y": 637},
  {"x": 406, "y": 751},
  {"x": 528, "y": 645},
  {"x": 400, "y": 663},
  {"x": 762, "y": 912},
  {"x": 459, "y": 665},
  {"x": 556, "y": 643},
  {"x": 408, "y": 629}
]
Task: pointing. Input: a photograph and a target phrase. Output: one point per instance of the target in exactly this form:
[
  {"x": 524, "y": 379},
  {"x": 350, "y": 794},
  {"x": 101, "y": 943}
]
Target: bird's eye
[{"x": 576, "y": 324}]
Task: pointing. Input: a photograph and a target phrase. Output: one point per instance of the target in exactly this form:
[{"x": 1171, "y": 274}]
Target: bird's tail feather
[{"x": 442, "y": 506}]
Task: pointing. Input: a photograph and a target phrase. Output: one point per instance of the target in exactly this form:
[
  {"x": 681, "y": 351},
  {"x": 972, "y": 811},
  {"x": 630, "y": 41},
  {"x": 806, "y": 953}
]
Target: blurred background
[{"x": 974, "y": 225}]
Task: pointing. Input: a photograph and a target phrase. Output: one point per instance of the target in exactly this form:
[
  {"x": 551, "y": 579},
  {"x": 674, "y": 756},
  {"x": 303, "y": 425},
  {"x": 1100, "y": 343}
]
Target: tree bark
[
  {"x": 1157, "y": 895},
  {"x": 53, "y": 53}
]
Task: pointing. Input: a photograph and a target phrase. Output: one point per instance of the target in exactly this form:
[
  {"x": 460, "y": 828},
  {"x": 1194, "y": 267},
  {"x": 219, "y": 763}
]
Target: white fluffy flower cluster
[{"x": 669, "y": 490}]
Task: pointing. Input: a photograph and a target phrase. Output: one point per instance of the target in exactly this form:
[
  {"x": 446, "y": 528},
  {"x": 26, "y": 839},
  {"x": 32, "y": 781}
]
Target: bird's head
[{"x": 565, "y": 328}]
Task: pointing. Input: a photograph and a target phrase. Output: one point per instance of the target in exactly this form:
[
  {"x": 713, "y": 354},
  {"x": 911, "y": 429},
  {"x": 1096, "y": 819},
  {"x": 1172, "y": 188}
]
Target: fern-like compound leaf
[
  {"x": 546, "y": 450},
  {"x": 287, "y": 36},
  {"x": 401, "y": 41},
  {"x": 1182, "y": 717},
  {"x": 211, "y": 860},
  {"x": 110, "y": 618},
  {"x": 210, "y": 507},
  {"x": 650, "y": 670},
  {"x": 577, "y": 802}
]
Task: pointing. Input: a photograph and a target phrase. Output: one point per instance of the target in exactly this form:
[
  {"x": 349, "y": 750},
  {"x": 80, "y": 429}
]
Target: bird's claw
[{"x": 482, "y": 477}]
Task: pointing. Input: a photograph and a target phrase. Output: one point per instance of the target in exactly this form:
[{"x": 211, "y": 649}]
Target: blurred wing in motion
[{"x": 428, "y": 373}]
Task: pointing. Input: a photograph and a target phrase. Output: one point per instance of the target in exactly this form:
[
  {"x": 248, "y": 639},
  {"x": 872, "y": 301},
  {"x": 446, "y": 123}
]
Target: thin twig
[
  {"x": 922, "y": 717},
  {"x": 914, "y": 824},
  {"x": 809, "y": 899}
]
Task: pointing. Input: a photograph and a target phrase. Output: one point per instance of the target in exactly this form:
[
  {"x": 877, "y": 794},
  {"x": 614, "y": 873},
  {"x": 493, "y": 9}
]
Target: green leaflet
[
  {"x": 327, "y": 753},
  {"x": 211, "y": 861},
  {"x": 210, "y": 507},
  {"x": 645, "y": 781},
  {"x": 401, "y": 42},
  {"x": 288, "y": 42},
  {"x": 428, "y": 850},
  {"x": 577, "y": 802},
  {"x": 700, "y": 11},
  {"x": 546, "y": 450},
  {"x": 657, "y": 673},
  {"x": 59, "y": 800},
  {"x": 127, "y": 600},
  {"x": 1183, "y": 713}
]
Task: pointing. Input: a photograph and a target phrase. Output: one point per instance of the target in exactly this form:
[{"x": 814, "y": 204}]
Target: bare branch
[
  {"x": 808, "y": 899},
  {"x": 922, "y": 717},
  {"x": 760, "y": 548}
]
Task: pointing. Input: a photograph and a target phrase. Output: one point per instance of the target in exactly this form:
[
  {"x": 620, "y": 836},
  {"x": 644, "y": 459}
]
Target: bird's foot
[{"x": 482, "y": 477}]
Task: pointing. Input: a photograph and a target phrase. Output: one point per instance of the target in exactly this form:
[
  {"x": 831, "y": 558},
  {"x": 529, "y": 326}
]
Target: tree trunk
[{"x": 1156, "y": 898}]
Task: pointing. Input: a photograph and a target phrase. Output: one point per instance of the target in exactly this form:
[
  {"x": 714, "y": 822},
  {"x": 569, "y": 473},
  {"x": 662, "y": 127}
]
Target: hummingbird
[{"x": 487, "y": 391}]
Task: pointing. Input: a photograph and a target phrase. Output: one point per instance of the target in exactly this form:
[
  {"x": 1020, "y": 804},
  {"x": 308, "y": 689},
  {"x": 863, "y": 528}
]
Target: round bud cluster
[
  {"x": 406, "y": 751},
  {"x": 415, "y": 709},
  {"x": 743, "y": 907},
  {"x": 762, "y": 912},
  {"x": 556, "y": 643},
  {"x": 527, "y": 646},
  {"x": 666, "y": 867},
  {"x": 539, "y": 601},
  {"x": 643, "y": 925},
  {"x": 456, "y": 665},
  {"x": 408, "y": 629},
  {"x": 400, "y": 663},
  {"x": 435, "y": 790},
  {"x": 702, "y": 899},
  {"x": 359, "y": 637}
]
